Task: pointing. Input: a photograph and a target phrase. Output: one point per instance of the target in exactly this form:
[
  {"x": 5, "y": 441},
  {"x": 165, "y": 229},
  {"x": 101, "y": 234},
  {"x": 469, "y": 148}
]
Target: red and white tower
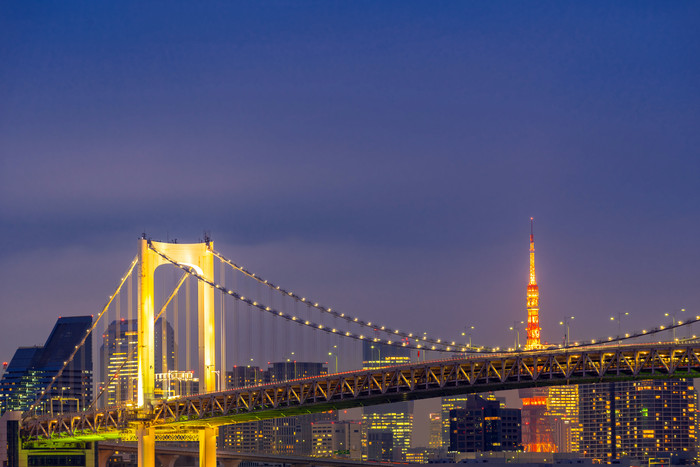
[{"x": 533, "y": 301}]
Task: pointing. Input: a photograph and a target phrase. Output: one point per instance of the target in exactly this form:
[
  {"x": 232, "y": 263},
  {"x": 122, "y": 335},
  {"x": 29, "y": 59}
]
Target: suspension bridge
[{"x": 175, "y": 393}]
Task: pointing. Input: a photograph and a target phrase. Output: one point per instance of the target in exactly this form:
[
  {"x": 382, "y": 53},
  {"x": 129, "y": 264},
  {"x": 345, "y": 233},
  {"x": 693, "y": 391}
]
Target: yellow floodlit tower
[
  {"x": 533, "y": 300},
  {"x": 198, "y": 256}
]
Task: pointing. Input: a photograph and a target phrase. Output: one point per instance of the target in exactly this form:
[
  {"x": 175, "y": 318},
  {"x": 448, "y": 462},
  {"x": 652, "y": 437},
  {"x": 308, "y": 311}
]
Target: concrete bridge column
[
  {"x": 146, "y": 436},
  {"x": 167, "y": 460},
  {"x": 103, "y": 456},
  {"x": 207, "y": 447}
]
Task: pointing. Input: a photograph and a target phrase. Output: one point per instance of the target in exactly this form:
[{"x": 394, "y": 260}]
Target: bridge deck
[{"x": 378, "y": 386}]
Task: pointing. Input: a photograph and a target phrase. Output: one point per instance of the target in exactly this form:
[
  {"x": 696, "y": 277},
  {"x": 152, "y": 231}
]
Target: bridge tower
[
  {"x": 533, "y": 300},
  {"x": 199, "y": 256}
]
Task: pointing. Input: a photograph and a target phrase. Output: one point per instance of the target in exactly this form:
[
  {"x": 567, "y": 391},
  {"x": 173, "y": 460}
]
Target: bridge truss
[{"x": 379, "y": 386}]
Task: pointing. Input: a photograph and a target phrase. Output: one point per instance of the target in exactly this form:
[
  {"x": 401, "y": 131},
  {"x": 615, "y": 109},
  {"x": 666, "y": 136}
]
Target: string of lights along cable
[{"x": 123, "y": 367}]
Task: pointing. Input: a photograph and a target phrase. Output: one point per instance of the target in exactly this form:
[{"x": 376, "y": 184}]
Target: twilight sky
[{"x": 382, "y": 157}]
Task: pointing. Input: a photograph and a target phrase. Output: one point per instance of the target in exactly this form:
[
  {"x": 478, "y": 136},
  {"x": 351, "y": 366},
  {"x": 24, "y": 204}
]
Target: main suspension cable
[
  {"x": 83, "y": 340},
  {"x": 133, "y": 349},
  {"x": 350, "y": 319},
  {"x": 375, "y": 327},
  {"x": 405, "y": 343}
]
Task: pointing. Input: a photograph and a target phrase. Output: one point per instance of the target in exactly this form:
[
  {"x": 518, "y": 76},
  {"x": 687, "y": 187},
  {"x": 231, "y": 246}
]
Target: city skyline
[{"x": 383, "y": 159}]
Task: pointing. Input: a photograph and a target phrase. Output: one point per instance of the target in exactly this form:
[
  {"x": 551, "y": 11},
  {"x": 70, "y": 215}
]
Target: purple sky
[{"x": 384, "y": 157}]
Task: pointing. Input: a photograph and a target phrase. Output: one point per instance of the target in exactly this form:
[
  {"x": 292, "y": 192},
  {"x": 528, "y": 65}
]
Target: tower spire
[{"x": 533, "y": 299}]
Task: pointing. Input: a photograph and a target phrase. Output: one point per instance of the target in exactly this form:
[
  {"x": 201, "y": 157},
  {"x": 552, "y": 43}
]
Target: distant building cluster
[{"x": 32, "y": 369}]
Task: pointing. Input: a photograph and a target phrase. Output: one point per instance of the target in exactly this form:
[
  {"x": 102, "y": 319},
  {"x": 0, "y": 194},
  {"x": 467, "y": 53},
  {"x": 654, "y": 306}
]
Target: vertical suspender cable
[
  {"x": 188, "y": 325},
  {"x": 176, "y": 330},
  {"x": 130, "y": 327},
  {"x": 236, "y": 327},
  {"x": 261, "y": 324},
  {"x": 222, "y": 325},
  {"x": 106, "y": 345}
]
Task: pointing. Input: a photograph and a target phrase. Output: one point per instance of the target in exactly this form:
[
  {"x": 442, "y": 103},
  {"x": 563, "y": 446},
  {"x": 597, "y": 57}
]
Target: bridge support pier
[
  {"x": 146, "y": 436},
  {"x": 103, "y": 456},
  {"x": 230, "y": 462},
  {"x": 207, "y": 447}
]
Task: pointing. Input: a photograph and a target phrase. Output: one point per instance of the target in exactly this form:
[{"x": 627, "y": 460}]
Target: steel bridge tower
[{"x": 199, "y": 257}]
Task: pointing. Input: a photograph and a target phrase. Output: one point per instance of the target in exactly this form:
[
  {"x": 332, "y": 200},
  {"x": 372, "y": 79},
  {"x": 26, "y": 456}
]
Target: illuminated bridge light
[
  {"x": 315, "y": 304},
  {"x": 661, "y": 327},
  {"x": 306, "y": 322}
]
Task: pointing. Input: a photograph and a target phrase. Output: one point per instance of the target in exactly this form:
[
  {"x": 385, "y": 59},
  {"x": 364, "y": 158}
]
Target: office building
[
  {"x": 459, "y": 402},
  {"x": 396, "y": 418},
  {"x": 283, "y": 371},
  {"x": 562, "y": 409},
  {"x": 118, "y": 355},
  {"x": 375, "y": 355},
  {"x": 283, "y": 436},
  {"x": 381, "y": 445},
  {"x": 340, "y": 439},
  {"x": 241, "y": 376},
  {"x": 32, "y": 369},
  {"x": 639, "y": 419},
  {"x": 484, "y": 426},
  {"x": 435, "y": 430}
]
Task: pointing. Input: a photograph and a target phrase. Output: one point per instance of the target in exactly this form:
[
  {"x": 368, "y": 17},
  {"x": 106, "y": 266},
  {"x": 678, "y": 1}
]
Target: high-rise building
[
  {"x": 341, "y": 439},
  {"x": 458, "y": 402},
  {"x": 375, "y": 355},
  {"x": 118, "y": 355},
  {"x": 241, "y": 376},
  {"x": 283, "y": 371},
  {"x": 562, "y": 409},
  {"x": 381, "y": 445},
  {"x": 396, "y": 418},
  {"x": 533, "y": 301},
  {"x": 435, "y": 433},
  {"x": 286, "y": 435},
  {"x": 639, "y": 419},
  {"x": 33, "y": 368},
  {"x": 484, "y": 426}
]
